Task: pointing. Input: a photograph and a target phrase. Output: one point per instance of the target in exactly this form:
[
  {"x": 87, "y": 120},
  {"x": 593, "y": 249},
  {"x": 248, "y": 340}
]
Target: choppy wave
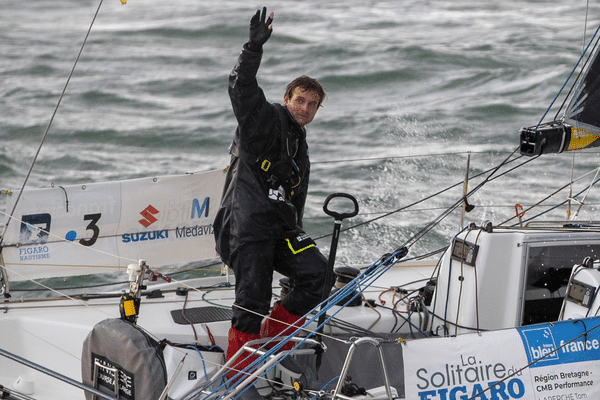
[{"x": 412, "y": 87}]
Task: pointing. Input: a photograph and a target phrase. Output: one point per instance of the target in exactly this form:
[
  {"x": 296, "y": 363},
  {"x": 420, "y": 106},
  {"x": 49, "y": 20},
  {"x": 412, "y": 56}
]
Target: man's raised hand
[{"x": 260, "y": 29}]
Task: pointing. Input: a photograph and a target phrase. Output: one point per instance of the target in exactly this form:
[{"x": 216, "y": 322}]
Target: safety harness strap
[{"x": 276, "y": 163}]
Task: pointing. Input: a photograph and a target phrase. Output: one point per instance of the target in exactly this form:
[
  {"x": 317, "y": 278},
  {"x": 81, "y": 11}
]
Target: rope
[{"x": 372, "y": 273}]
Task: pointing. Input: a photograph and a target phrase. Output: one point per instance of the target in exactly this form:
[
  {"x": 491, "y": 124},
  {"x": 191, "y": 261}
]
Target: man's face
[{"x": 303, "y": 105}]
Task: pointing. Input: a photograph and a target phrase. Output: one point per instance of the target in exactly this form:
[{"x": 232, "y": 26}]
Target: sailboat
[{"x": 505, "y": 312}]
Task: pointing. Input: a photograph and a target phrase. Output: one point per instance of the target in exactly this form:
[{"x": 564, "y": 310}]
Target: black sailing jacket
[{"x": 252, "y": 209}]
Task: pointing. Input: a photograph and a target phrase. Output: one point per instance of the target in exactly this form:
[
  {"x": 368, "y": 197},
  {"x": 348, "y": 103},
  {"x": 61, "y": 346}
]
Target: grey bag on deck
[{"x": 118, "y": 344}]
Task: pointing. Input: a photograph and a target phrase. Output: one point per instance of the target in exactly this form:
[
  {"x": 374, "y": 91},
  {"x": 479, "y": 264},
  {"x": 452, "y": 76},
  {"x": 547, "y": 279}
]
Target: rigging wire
[
  {"x": 489, "y": 178},
  {"x": 345, "y": 161},
  {"x": 409, "y": 242},
  {"x": 387, "y": 214},
  {"x": 62, "y": 94},
  {"x": 348, "y": 228},
  {"x": 573, "y": 217},
  {"x": 566, "y": 81},
  {"x": 413, "y": 240},
  {"x": 419, "y": 235},
  {"x": 557, "y": 205},
  {"x": 573, "y": 158},
  {"x": 587, "y": 9},
  {"x": 374, "y": 272},
  {"x": 578, "y": 76}
]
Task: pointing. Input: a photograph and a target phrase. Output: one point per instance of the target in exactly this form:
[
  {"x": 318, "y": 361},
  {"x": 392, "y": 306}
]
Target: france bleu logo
[
  {"x": 540, "y": 345},
  {"x": 564, "y": 342}
]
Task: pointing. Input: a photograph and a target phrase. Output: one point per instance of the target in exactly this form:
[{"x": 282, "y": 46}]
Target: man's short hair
[{"x": 306, "y": 83}]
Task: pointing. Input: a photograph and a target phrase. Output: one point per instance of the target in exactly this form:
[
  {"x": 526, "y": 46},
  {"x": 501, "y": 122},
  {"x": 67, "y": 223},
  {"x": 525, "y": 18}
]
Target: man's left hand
[{"x": 260, "y": 29}]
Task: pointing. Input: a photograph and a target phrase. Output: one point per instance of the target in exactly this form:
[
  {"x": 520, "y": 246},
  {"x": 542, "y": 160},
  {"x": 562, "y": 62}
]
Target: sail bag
[{"x": 116, "y": 349}]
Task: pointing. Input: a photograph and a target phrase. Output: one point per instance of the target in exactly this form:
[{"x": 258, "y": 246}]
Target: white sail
[{"x": 84, "y": 229}]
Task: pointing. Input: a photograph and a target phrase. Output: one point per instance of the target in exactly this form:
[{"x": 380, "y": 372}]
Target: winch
[{"x": 344, "y": 275}]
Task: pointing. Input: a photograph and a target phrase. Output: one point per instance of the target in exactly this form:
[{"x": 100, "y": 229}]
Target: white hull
[{"x": 51, "y": 332}]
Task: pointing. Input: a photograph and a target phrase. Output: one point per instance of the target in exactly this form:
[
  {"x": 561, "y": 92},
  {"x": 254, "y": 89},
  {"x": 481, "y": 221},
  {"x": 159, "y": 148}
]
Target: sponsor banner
[
  {"x": 169, "y": 220},
  {"x": 458, "y": 368},
  {"x": 54, "y": 230},
  {"x": 491, "y": 365},
  {"x": 564, "y": 360},
  {"x": 163, "y": 220}
]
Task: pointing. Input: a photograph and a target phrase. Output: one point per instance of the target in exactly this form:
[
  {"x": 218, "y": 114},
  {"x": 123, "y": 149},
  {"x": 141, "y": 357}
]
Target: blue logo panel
[{"x": 562, "y": 342}]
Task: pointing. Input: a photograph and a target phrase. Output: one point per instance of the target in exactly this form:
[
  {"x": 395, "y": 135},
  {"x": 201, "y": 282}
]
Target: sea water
[{"x": 414, "y": 88}]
